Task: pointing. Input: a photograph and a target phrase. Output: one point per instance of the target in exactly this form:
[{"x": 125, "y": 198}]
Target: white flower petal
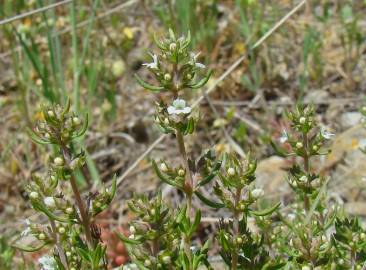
[
  {"x": 187, "y": 110},
  {"x": 199, "y": 65},
  {"x": 171, "y": 110},
  {"x": 326, "y": 134}
]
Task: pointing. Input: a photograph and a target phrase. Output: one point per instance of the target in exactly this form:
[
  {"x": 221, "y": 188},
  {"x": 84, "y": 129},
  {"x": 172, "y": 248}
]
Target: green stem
[
  {"x": 79, "y": 202},
  {"x": 234, "y": 255},
  {"x": 188, "y": 187}
]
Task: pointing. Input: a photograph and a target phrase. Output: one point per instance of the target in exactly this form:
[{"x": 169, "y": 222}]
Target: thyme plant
[
  {"x": 70, "y": 234},
  {"x": 314, "y": 234},
  {"x": 176, "y": 69}
]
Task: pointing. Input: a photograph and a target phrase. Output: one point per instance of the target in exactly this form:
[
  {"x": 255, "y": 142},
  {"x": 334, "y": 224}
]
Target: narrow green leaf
[
  {"x": 128, "y": 240},
  {"x": 202, "y": 82},
  {"x": 208, "y": 202},
  {"x": 267, "y": 211},
  {"x": 148, "y": 86},
  {"x": 162, "y": 177}
]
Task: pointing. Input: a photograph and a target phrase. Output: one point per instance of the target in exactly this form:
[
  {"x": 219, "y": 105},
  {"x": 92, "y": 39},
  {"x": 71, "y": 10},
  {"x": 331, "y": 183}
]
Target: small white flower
[
  {"x": 47, "y": 263},
  {"x": 27, "y": 230},
  {"x": 179, "y": 106},
  {"x": 258, "y": 192},
  {"x": 284, "y": 137},
  {"x": 154, "y": 64},
  {"x": 326, "y": 134},
  {"x": 194, "y": 61},
  {"x": 306, "y": 268},
  {"x": 303, "y": 178},
  {"x": 49, "y": 202}
]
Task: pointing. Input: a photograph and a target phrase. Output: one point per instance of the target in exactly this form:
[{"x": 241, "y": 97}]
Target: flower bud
[
  {"x": 132, "y": 229},
  {"x": 302, "y": 120},
  {"x": 306, "y": 267},
  {"x": 58, "y": 161},
  {"x": 231, "y": 171},
  {"x": 51, "y": 113},
  {"x": 147, "y": 263},
  {"x": 163, "y": 167},
  {"x": 189, "y": 76},
  {"x": 239, "y": 240},
  {"x": 299, "y": 145},
  {"x": 181, "y": 172},
  {"x": 315, "y": 148},
  {"x": 258, "y": 192},
  {"x": 76, "y": 120},
  {"x": 49, "y": 202},
  {"x": 166, "y": 259},
  {"x": 167, "y": 77},
  {"x": 47, "y": 135},
  {"x": 69, "y": 210},
  {"x": 34, "y": 195},
  {"x": 61, "y": 230},
  {"x": 172, "y": 46},
  {"x": 41, "y": 236}
]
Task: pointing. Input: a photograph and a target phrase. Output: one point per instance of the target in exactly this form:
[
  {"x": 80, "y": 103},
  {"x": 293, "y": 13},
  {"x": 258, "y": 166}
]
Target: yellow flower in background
[{"x": 128, "y": 32}]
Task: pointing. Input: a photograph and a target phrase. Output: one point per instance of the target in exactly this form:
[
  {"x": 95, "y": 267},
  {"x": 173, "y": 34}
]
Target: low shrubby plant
[
  {"x": 311, "y": 232},
  {"x": 70, "y": 234}
]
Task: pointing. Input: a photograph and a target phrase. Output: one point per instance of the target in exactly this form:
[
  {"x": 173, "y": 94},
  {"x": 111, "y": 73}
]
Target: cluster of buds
[
  {"x": 175, "y": 67},
  {"x": 236, "y": 192},
  {"x": 153, "y": 241},
  {"x": 306, "y": 142},
  {"x": 58, "y": 126},
  {"x": 204, "y": 169},
  {"x": 70, "y": 234}
]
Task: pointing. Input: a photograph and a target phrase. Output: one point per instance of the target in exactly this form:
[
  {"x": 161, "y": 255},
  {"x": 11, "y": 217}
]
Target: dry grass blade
[
  {"x": 35, "y": 11},
  {"x": 213, "y": 86}
]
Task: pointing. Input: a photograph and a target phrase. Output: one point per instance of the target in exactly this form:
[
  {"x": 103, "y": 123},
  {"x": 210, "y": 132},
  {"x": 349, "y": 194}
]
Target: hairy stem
[
  {"x": 60, "y": 250},
  {"x": 79, "y": 202},
  {"x": 188, "y": 187}
]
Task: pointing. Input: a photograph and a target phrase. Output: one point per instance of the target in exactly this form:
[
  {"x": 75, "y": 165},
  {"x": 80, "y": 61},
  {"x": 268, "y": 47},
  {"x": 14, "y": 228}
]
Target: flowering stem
[
  {"x": 79, "y": 202},
  {"x": 234, "y": 255},
  {"x": 188, "y": 187},
  {"x": 59, "y": 248}
]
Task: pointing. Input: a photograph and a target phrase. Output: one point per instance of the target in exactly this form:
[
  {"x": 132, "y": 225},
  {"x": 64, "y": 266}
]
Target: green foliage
[{"x": 70, "y": 235}]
